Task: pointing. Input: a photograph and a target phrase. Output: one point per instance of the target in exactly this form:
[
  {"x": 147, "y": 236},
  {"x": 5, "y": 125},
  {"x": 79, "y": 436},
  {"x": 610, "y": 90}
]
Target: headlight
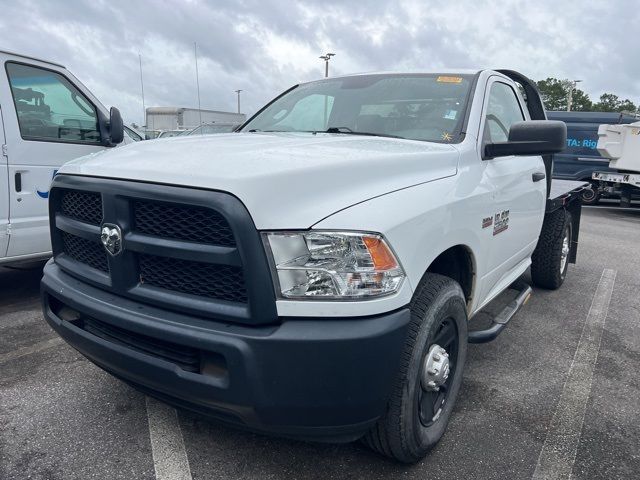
[{"x": 333, "y": 265}]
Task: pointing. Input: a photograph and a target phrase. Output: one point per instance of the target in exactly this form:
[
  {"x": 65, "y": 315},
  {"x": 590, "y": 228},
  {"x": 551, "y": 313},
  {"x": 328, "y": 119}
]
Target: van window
[
  {"x": 133, "y": 135},
  {"x": 502, "y": 112},
  {"x": 51, "y": 108}
]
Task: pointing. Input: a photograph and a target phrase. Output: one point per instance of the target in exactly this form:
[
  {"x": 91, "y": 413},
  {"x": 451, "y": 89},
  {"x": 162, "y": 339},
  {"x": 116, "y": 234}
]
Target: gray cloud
[{"x": 263, "y": 47}]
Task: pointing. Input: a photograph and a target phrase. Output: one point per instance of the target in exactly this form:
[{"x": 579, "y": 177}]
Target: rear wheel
[
  {"x": 430, "y": 375},
  {"x": 550, "y": 260}
]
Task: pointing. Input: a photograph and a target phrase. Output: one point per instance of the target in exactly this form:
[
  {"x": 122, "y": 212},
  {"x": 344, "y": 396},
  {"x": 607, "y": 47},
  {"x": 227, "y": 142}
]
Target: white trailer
[
  {"x": 621, "y": 144},
  {"x": 182, "y": 118}
]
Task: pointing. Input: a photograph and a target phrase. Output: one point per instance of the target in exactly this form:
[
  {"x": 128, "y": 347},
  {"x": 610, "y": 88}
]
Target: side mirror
[
  {"x": 116, "y": 126},
  {"x": 535, "y": 137}
]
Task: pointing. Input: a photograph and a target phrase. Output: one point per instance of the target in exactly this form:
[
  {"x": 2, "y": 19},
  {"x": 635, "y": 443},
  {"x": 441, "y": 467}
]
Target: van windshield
[{"x": 428, "y": 107}]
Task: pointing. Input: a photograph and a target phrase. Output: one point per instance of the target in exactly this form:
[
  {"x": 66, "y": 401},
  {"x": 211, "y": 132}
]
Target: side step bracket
[{"x": 501, "y": 320}]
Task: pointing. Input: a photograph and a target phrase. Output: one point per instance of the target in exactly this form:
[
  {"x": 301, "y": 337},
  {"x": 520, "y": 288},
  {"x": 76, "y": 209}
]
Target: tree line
[{"x": 555, "y": 94}]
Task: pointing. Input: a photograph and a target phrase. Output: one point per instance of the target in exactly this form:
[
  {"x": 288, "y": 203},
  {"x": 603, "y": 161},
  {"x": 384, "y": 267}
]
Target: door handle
[
  {"x": 18, "y": 181},
  {"x": 536, "y": 177}
]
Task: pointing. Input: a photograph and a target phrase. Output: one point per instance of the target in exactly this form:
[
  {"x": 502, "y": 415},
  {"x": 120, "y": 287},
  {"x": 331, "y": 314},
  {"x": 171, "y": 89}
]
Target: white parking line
[
  {"x": 558, "y": 453},
  {"x": 38, "y": 347},
  {"x": 167, "y": 445}
]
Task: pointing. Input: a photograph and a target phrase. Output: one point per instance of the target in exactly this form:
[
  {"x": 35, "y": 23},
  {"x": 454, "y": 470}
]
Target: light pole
[
  {"x": 144, "y": 109},
  {"x": 326, "y": 57},
  {"x": 238, "y": 92},
  {"x": 195, "y": 54},
  {"x": 574, "y": 83}
]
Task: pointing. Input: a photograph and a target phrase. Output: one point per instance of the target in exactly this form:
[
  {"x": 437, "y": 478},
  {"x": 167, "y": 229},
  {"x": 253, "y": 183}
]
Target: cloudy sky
[{"x": 263, "y": 47}]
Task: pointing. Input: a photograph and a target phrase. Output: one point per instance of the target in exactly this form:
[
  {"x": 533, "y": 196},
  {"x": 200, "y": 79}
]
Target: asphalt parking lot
[{"x": 560, "y": 386}]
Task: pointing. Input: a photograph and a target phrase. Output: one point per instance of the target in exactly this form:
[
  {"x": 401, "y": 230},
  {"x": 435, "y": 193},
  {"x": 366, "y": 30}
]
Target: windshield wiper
[
  {"x": 348, "y": 131},
  {"x": 253, "y": 130}
]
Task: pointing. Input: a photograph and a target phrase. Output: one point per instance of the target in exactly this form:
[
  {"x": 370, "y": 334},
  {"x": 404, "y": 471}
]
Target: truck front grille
[
  {"x": 192, "y": 251},
  {"x": 83, "y": 206},
  {"x": 180, "y": 222},
  {"x": 85, "y": 251},
  {"x": 222, "y": 282}
]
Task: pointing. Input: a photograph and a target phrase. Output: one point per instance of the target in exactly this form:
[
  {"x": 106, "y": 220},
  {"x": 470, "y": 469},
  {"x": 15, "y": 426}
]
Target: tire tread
[
  {"x": 387, "y": 437},
  {"x": 545, "y": 261}
]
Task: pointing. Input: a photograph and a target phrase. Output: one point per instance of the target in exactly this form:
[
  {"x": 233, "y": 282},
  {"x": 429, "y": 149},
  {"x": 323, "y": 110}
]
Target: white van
[{"x": 47, "y": 117}]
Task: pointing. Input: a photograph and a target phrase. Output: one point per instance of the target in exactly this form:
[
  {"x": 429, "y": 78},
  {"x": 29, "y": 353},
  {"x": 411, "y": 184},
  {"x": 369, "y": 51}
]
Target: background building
[{"x": 181, "y": 118}]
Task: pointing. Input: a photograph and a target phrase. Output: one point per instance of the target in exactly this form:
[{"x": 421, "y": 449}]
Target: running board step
[{"x": 501, "y": 320}]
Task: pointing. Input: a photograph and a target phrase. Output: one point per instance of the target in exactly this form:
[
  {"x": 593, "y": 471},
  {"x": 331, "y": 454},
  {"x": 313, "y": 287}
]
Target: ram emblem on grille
[{"x": 111, "y": 237}]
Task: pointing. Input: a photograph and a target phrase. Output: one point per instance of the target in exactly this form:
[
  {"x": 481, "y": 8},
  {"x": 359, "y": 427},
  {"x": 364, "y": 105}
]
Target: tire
[
  {"x": 406, "y": 432},
  {"x": 550, "y": 260},
  {"x": 590, "y": 195}
]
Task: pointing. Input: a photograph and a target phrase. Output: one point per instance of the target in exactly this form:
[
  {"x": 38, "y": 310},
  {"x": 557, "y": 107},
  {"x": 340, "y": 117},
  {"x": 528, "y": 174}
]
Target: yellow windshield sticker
[
  {"x": 444, "y": 79},
  {"x": 447, "y": 137}
]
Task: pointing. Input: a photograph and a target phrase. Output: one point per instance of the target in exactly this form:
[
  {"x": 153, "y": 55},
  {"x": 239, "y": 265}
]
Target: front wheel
[{"x": 430, "y": 374}]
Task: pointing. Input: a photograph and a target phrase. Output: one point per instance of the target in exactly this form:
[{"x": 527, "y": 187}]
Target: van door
[
  {"x": 49, "y": 123},
  {"x": 4, "y": 194}
]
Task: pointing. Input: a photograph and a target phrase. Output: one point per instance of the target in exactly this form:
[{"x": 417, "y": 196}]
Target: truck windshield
[{"x": 428, "y": 107}]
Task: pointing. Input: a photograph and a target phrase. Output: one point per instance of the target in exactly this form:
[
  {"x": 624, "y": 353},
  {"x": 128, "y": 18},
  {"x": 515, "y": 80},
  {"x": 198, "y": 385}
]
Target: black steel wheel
[
  {"x": 430, "y": 375},
  {"x": 431, "y": 401}
]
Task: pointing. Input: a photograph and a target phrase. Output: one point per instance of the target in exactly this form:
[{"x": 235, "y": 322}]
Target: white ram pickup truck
[{"x": 312, "y": 275}]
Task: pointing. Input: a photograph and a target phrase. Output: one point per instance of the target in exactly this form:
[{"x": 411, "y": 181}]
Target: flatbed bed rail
[{"x": 562, "y": 192}]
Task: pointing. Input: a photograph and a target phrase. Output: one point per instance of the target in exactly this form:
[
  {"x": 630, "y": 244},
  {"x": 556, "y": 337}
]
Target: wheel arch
[{"x": 457, "y": 262}]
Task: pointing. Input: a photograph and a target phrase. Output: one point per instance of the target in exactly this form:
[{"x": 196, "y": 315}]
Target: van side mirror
[
  {"x": 534, "y": 137},
  {"x": 116, "y": 126}
]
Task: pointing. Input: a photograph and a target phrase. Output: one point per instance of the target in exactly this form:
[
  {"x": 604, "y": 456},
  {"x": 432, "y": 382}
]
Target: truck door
[
  {"x": 48, "y": 121},
  {"x": 4, "y": 194},
  {"x": 518, "y": 187}
]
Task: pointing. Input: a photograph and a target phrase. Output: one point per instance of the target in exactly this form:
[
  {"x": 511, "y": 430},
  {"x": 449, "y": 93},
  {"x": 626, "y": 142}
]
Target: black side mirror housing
[
  {"x": 116, "y": 126},
  {"x": 112, "y": 128},
  {"x": 533, "y": 137}
]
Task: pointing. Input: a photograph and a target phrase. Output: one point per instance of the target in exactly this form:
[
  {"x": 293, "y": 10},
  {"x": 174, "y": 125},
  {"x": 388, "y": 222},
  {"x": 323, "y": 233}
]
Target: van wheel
[
  {"x": 590, "y": 195},
  {"x": 550, "y": 260},
  {"x": 430, "y": 374},
  {"x": 625, "y": 197}
]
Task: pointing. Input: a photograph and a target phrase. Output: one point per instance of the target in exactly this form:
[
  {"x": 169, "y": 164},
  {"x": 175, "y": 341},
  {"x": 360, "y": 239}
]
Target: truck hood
[{"x": 286, "y": 180}]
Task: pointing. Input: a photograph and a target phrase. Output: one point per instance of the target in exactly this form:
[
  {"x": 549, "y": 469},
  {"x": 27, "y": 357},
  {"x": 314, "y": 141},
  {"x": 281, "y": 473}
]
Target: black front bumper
[{"x": 317, "y": 378}]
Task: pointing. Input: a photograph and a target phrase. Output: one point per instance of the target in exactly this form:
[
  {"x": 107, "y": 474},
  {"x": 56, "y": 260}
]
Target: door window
[
  {"x": 502, "y": 112},
  {"x": 50, "y": 108}
]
